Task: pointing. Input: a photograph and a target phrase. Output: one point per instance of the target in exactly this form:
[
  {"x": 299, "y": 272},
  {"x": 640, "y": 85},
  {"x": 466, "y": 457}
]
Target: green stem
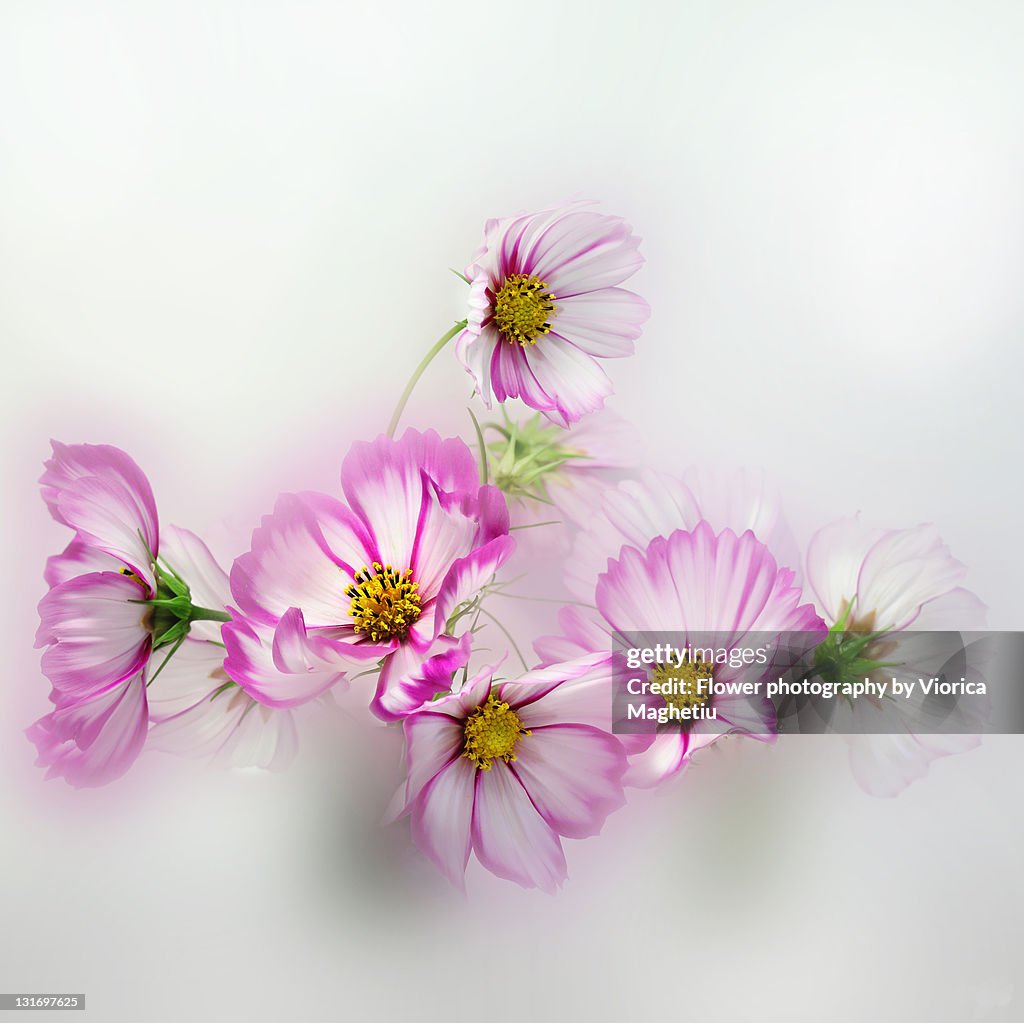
[
  {"x": 207, "y": 614},
  {"x": 542, "y": 600},
  {"x": 482, "y": 447},
  {"x": 163, "y": 664},
  {"x": 418, "y": 372},
  {"x": 508, "y": 636}
]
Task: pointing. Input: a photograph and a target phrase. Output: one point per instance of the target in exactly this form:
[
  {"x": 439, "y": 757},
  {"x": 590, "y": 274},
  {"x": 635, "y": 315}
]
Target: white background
[{"x": 224, "y": 234}]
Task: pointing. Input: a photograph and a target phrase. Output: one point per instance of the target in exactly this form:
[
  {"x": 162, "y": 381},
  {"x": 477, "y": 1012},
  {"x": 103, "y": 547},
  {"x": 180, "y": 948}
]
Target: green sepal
[{"x": 177, "y": 631}]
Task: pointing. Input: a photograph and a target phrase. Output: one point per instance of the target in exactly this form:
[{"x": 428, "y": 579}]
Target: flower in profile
[
  {"x": 110, "y": 606},
  {"x": 507, "y": 769},
  {"x": 383, "y": 577},
  {"x": 545, "y": 307},
  {"x": 871, "y": 585},
  {"x": 695, "y": 584}
]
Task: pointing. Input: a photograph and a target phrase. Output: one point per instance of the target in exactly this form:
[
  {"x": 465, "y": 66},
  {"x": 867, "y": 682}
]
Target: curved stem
[
  {"x": 543, "y": 600},
  {"x": 508, "y": 636},
  {"x": 418, "y": 372}
]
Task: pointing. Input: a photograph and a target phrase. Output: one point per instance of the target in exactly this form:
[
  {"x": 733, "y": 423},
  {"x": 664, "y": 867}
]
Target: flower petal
[
  {"x": 409, "y": 678},
  {"x": 510, "y": 837},
  {"x": 662, "y": 759},
  {"x": 441, "y": 819},
  {"x": 265, "y": 738},
  {"x": 573, "y": 774},
  {"x": 581, "y": 634},
  {"x": 189, "y": 677},
  {"x": 78, "y": 558},
  {"x": 699, "y": 582},
  {"x": 581, "y": 251},
  {"x": 433, "y": 741},
  {"x": 512, "y": 377},
  {"x": 446, "y": 531},
  {"x": 94, "y": 740},
  {"x": 468, "y": 576},
  {"x": 96, "y": 636},
  {"x": 100, "y": 492},
  {"x": 291, "y": 565},
  {"x": 575, "y": 381},
  {"x": 574, "y": 692},
  {"x": 754, "y": 716},
  {"x": 834, "y": 558},
  {"x": 474, "y": 348},
  {"x": 250, "y": 663},
  {"x": 631, "y": 515},
  {"x": 602, "y": 323},
  {"x": 903, "y": 571},
  {"x": 383, "y": 483}
]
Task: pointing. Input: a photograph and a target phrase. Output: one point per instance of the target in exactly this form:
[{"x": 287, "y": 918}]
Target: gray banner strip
[{"x": 41, "y": 1002}]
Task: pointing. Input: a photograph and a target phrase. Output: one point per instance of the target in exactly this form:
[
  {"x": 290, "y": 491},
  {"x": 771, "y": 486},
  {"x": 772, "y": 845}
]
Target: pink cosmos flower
[
  {"x": 890, "y": 580},
  {"x": 655, "y": 504},
  {"x": 382, "y": 577},
  {"x": 507, "y": 769},
  {"x": 96, "y": 633},
  {"x": 545, "y": 306},
  {"x": 692, "y": 584},
  {"x": 99, "y": 624}
]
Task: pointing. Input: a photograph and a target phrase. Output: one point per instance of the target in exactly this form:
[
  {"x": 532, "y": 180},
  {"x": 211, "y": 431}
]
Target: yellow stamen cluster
[
  {"x": 685, "y": 691},
  {"x": 492, "y": 731},
  {"x": 523, "y": 308},
  {"x": 385, "y": 602}
]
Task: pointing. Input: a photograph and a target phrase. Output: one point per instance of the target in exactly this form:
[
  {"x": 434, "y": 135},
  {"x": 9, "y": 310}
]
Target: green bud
[{"x": 528, "y": 455}]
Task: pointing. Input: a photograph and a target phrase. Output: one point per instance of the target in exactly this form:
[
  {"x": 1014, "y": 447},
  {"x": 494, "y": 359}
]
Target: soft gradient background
[{"x": 224, "y": 234}]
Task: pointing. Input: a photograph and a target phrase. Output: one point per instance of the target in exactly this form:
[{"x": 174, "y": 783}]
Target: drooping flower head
[
  {"x": 98, "y": 624},
  {"x": 545, "y": 306},
  {"x": 115, "y": 612},
  {"x": 693, "y": 584},
  {"x": 380, "y": 577},
  {"x": 97, "y": 633},
  {"x": 879, "y": 583},
  {"x": 507, "y": 769}
]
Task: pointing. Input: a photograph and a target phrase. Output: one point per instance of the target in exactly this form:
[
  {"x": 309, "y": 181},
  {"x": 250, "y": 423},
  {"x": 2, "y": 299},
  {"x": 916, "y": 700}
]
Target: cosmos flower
[
  {"x": 109, "y": 607},
  {"x": 657, "y": 504},
  {"x": 507, "y": 769},
  {"x": 381, "y": 577},
  {"x": 693, "y": 584},
  {"x": 885, "y": 581},
  {"x": 545, "y": 307}
]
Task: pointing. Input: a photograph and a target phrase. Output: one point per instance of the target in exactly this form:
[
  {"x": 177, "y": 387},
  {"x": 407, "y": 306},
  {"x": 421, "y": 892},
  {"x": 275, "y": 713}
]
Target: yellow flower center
[
  {"x": 492, "y": 731},
  {"x": 385, "y": 603},
  {"x": 686, "y": 692},
  {"x": 523, "y": 308}
]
